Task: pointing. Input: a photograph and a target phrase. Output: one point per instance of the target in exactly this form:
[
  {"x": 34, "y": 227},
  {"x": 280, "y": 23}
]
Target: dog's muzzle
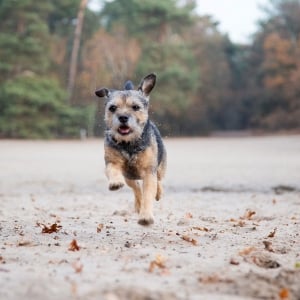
[
  {"x": 124, "y": 129},
  {"x": 123, "y": 119}
]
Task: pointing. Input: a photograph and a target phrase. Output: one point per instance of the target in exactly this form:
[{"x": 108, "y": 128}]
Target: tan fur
[
  {"x": 144, "y": 163},
  {"x": 133, "y": 146}
]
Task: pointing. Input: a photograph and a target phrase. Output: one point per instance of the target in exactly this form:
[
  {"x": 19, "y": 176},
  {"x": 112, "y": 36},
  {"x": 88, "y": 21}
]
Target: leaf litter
[
  {"x": 158, "y": 263},
  {"x": 74, "y": 246},
  {"x": 53, "y": 228}
]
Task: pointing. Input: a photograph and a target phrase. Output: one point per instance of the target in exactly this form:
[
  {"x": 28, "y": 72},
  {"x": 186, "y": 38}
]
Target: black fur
[
  {"x": 134, "y": 147},
  {"x": 128, "y": 85}
]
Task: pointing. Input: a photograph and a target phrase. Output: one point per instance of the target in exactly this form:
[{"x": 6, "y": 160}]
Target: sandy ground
[{"x": 227, "y": 227}]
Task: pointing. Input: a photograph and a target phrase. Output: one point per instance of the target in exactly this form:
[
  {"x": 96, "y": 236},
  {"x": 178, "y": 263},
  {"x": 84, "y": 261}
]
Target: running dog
[{"x": 134, "y": 150}]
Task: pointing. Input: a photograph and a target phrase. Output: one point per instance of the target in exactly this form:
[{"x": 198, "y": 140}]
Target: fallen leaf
[
  {"x": 263, "y": 261},
  {"x": 24, "y": 243},
  {"x": 159, "y": 262},
  {"x": 268, "y": 246},
  {"x": 247, "y": 251},
  {"x": 284, "y": 293},
  {"x": 189, "y": 239},
  {"x": 74, "y": 246},
  {"x": 52, "y": 228},
  {"x": 240, "y": 223},
  {"x": 248, "y": 214},
  {"x": 99, "y": 227},
  {"x": 272, "y": 233},
  {"x": 201, "y": 228}
]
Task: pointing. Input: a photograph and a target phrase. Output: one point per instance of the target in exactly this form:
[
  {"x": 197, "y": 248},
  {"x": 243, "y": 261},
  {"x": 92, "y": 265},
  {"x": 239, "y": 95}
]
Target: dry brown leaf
[
  {"x": 99, "y": 227},
  {"x": 247, "y": 251},
  {"x": 24, "y": 243},
  {"x": 268, "y": 246},
  {"x": 272, "y": 233},
  {"x": 189, "y": 239},
  {"x": 248, "y": 214},
  {"x": 284, "y": 293},
  {"x": 201, "y": 228},
  {"x": 52, "y": 228},
  {"x": 159, "y": 262},
  {"x": 74, "y": 246},
  {"x": 240, "y": 223}
]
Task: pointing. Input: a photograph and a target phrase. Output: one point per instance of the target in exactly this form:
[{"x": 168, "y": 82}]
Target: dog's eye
[
  {"x": 135, "y": 107},
  {"x": 112, "y": 108}
]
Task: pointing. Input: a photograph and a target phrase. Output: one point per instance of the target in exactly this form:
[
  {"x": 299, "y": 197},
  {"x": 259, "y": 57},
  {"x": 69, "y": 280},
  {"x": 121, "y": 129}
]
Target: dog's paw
[
  {"x": 113, "y": 186},
  {"x": 146, "y": 220}
]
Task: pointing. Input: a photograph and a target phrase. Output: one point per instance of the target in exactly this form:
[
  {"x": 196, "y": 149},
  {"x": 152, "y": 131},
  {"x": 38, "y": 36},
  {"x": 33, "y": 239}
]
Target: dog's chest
[{"x": 132, "y": 166}]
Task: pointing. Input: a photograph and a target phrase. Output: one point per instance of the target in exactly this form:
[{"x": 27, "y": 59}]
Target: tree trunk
[{"x": 75, "y": 49}]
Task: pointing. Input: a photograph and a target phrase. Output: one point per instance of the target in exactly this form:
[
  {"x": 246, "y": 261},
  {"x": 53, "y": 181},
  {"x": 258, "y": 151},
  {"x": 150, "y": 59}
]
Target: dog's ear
[
  {"x": 103, "y": 92},
  {"x": 147, "y": 84},
  {"x": 128, "y": 86}
]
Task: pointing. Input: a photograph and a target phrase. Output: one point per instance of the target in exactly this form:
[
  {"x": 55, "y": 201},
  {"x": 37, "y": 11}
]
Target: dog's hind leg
[
  {"x": 134, "y": 184},
  {"x": 159, "y": 190}
]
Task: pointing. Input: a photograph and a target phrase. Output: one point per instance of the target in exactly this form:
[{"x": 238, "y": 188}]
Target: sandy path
[{"x": 227, "y": 228}]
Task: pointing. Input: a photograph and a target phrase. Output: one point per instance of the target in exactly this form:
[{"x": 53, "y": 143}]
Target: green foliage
[
  {"x": 33, "y": 107},
  {"x": 23, "y": 37},
  {"x": 147, "y": 19},
  {"x": 205, "y": 82},
  {"x": 32, "y": 103}
]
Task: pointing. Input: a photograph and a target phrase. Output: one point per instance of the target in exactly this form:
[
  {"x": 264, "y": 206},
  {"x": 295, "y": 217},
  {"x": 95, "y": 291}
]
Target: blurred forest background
[{"x": 54, "y": 54}]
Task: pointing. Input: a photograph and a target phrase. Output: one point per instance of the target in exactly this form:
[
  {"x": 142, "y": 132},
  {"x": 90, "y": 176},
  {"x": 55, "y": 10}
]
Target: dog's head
[{"x": 126, "y": 111}]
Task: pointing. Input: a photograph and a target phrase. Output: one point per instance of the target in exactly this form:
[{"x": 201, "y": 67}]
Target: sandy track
[{"x": 227, "y": 228}]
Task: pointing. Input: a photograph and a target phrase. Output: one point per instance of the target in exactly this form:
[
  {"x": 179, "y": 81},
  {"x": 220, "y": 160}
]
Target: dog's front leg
[
  {"x": 149, "y": 192},
  {"x": 115, "y": 176},
  {"x": 134, "y": 184}
]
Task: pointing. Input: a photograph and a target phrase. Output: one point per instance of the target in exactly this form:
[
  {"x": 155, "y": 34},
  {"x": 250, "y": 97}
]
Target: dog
[{"x": 134, "y": 150}]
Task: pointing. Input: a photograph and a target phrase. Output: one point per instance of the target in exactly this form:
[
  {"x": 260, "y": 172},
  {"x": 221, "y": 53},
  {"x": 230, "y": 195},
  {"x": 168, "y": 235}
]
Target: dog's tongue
[{"x": 124, "y": 129}]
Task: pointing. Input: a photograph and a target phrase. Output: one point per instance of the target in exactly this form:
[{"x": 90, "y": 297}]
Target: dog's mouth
[{"x": 124, "y": 129}]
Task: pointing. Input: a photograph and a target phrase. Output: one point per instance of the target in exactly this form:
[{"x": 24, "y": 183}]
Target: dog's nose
[{"x": 123, "y": 119}]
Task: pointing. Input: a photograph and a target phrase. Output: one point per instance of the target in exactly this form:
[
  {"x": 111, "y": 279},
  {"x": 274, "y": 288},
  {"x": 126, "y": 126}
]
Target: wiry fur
[{"x": 134, "y": 149}]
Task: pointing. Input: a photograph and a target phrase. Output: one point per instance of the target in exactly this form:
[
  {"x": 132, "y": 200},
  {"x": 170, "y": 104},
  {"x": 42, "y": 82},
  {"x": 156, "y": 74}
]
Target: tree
[
  {"x": 278, "y": 66},
  {"x": 159, "y": 28},
  {"x": 34, "y": 107},
  {"x": 31, "y": 99},
  {"x": 75, "y": 48},
  {"x": 24, "y": 37}
]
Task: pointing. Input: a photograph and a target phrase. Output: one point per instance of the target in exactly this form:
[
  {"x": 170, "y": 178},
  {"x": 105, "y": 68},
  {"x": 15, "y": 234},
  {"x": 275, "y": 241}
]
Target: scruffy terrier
[{"x": 134, "y": 149}]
